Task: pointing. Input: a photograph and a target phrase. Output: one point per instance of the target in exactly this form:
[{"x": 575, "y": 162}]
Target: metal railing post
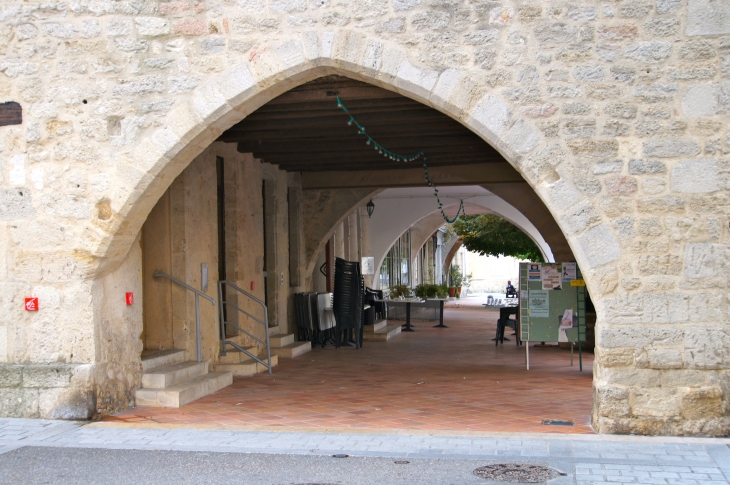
[
  {"x": 197, "y": 324},
  {"x": 222, "y": 319},
  {"x": 268, "y": 346},
  {"x": 264, "y": 322},
  {"x": 198, "y": 293}
]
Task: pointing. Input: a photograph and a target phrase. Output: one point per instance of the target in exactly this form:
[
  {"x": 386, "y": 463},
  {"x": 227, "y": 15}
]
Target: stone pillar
[
  {"x": 364, "y": 240},
  {"x": 353, "y": 241}
]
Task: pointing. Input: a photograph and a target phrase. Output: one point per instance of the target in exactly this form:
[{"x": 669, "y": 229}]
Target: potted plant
[
  {"x": 456, "y": 278},
  {"x": 400, "y": 290}
]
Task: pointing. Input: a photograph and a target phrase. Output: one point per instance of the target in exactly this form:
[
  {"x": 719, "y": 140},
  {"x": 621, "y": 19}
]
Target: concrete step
[
  {"x": 274, "y": 330},
  {"x": 374, "y": 328},
  {"x": 281, "y": 340},
  {"x": 233, "y": 356},
  {"x": 152, "y": 359},
  {"x": 184, "y": 392},
  {"x": 292, "y": 350},
  {"x": 169, "y": 375},
  {"x": 386, "y": 333},
  {"x": 248, "y": 367}
]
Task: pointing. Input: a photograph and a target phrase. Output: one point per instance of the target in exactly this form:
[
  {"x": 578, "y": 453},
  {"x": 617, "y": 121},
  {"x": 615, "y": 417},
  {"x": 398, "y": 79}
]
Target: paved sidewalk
[{"x": 587, "y": 459}]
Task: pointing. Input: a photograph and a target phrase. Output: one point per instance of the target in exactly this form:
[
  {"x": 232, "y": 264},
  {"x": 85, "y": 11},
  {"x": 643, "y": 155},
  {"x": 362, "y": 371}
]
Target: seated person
[{"x": 510, "y": 291}]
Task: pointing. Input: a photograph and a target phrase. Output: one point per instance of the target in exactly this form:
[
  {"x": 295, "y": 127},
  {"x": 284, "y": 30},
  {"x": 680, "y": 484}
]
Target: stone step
[
  {"x": 234, "y": 356},
  {"x": 169, "y": 375},
  {"x": 249, "y": 367},
  {"x": 152, "y": 359},
  {"x": 281, "y": 340},
  {"x": 184, "y": 392},
  {"x": 274, "y": 330},
  {"x": 374, "y": 328},
  {"x": 292, "y": 350},
  {"x": 386, "y": 333}
]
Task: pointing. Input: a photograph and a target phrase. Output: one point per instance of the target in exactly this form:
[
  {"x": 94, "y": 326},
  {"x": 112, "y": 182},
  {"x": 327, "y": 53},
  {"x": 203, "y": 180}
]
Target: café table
[{"x": 419, "y": 303}]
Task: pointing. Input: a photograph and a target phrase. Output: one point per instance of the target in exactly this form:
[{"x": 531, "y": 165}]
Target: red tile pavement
[{"x": 434, "y": 379}]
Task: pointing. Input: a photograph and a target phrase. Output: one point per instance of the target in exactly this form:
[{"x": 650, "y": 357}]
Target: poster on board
[
  {"x": 539, "y": 303},
  {"x": 533, "y": 273},
  {"x": 567, "y": 320},
  {"x": 570, "y": 271},
  {"x": 551, "y": 277}
]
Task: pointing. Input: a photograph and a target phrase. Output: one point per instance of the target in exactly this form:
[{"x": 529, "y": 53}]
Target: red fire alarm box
[
  {"x": 31, "y": 304},
  {"x": 129, "y": 298},
  {"x": 252, "y": 286}
]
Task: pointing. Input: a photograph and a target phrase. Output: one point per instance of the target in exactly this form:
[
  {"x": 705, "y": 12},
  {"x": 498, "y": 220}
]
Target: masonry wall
[{"x": 614, "y": 112}]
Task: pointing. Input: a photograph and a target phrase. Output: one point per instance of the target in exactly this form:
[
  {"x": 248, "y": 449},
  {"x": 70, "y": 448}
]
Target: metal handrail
[
  {"x": 223, "y": 322},
  {"x": 198, "y": 293}
]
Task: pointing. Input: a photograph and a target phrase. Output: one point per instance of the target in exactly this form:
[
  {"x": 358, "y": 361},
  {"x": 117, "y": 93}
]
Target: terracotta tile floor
[{"x": 435, "y": 379}]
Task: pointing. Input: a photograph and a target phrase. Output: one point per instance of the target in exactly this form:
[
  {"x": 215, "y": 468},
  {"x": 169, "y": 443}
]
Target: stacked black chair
[
  {"x": 348, "y": 302},
  {"x": 377, "y": 309},
  {"x": 309, "y": 328}
]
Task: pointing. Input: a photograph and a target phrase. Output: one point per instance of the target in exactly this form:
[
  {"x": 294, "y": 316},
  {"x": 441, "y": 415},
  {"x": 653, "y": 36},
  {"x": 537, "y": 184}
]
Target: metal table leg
[
  {"x": 441, "y": 316},
  {"x": 407, "y": 327}
]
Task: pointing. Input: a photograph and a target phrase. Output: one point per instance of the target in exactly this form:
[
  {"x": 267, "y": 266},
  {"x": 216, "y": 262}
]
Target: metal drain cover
[{"x": 517, "y": 473}]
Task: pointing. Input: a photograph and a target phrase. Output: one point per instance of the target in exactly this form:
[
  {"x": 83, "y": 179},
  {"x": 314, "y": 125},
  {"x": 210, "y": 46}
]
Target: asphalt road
[{"x": 44, "y": 465}]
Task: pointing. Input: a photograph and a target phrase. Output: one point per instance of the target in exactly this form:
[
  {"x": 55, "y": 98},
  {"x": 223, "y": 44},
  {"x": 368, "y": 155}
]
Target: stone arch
[{"x": 221, "y": 102}]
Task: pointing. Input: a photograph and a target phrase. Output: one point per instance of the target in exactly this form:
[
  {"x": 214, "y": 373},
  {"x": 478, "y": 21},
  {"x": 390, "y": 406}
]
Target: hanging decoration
[{"x": 401, "y": 158}]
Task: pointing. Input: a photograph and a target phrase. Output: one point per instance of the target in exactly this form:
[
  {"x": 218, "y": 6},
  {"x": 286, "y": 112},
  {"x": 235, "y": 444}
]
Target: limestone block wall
[{"x": 614, "y": 112}]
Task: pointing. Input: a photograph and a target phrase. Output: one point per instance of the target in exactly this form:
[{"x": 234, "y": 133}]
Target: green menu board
[{"x": 552, "y": 303}]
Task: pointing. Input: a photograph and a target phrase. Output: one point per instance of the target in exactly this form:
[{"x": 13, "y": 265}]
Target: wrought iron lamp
[{"x": 370, "y": 207}]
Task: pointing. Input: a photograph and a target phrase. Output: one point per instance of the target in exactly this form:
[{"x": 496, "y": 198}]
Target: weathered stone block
[
  {"x": 491, "y": 114},
  {"x": 581, "y": 128},
  {"x": 644, "y": 167},
  {"x": 621, "y": 336},
  {"x": 704, "y": 260},
  {"x": 662, "y": 27},
  {"x": 598, "y": 246},
  {"x": 611, "y": 401},
  {"x": 615, "y": 357},
  {"x": 664, "y": 264},
  {"x": 636, "y": 8},
  {"x": 415, "y": 80},
  {"x": 655, "y": 402},
  {"x": 47, "y": 376},
  {"x": 703, "y": 403},
  {"x": 620, "y": 185},
  {"x": 698, "y": 176},
  {"x": 73, "y": 403},
  {"x": 655, "y": 93},
  {"x": 670, "y": 148},
  {"x": 152, "y": 26},
  {"x": 19, "y": 403},
  {"x": 707, "y": 17},
  {"x": 16, "y": 203},
  {"x": 590, "y": 73},
  {"x": 707, "y": 348},
  {"x": 11, "y": 376},
  {"x": 649, "y": 52}
]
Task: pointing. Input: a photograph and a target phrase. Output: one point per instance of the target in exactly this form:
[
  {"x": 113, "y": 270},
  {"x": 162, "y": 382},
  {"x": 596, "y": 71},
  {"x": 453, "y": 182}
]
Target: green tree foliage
[{"x": 488, "y": 234}]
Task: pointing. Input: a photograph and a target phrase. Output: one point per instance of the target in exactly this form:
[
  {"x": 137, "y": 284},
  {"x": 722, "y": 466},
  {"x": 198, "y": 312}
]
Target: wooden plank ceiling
[{"x": 304, "y": 131}]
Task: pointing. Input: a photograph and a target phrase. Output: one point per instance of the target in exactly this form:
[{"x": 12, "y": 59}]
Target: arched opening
[{"x": 311, "y": 175}]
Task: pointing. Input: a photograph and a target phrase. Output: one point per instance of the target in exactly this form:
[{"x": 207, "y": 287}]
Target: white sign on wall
[{"x": 368, "y": 265}]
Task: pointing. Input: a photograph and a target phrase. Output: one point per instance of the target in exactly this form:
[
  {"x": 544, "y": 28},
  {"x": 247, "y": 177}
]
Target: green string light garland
[{"x": 401, "y": 158}]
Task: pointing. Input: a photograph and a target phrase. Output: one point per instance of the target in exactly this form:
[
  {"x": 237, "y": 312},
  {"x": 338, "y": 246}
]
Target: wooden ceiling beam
[
  {"x": 462, "y": 174},
  {"x": 368, "y": 120},
  {"x": 343, "y": 133},
  {"x": 398, "y": 145},
  {"x": 432, "y": 156}
]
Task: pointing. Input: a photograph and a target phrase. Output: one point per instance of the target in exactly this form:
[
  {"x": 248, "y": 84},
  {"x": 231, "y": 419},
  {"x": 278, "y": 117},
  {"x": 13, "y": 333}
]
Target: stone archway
[{"x": 643, "y": 231}]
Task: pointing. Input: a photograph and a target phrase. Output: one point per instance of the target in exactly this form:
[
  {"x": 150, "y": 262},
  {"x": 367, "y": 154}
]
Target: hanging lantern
[{"x": 370, "y": 207}]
